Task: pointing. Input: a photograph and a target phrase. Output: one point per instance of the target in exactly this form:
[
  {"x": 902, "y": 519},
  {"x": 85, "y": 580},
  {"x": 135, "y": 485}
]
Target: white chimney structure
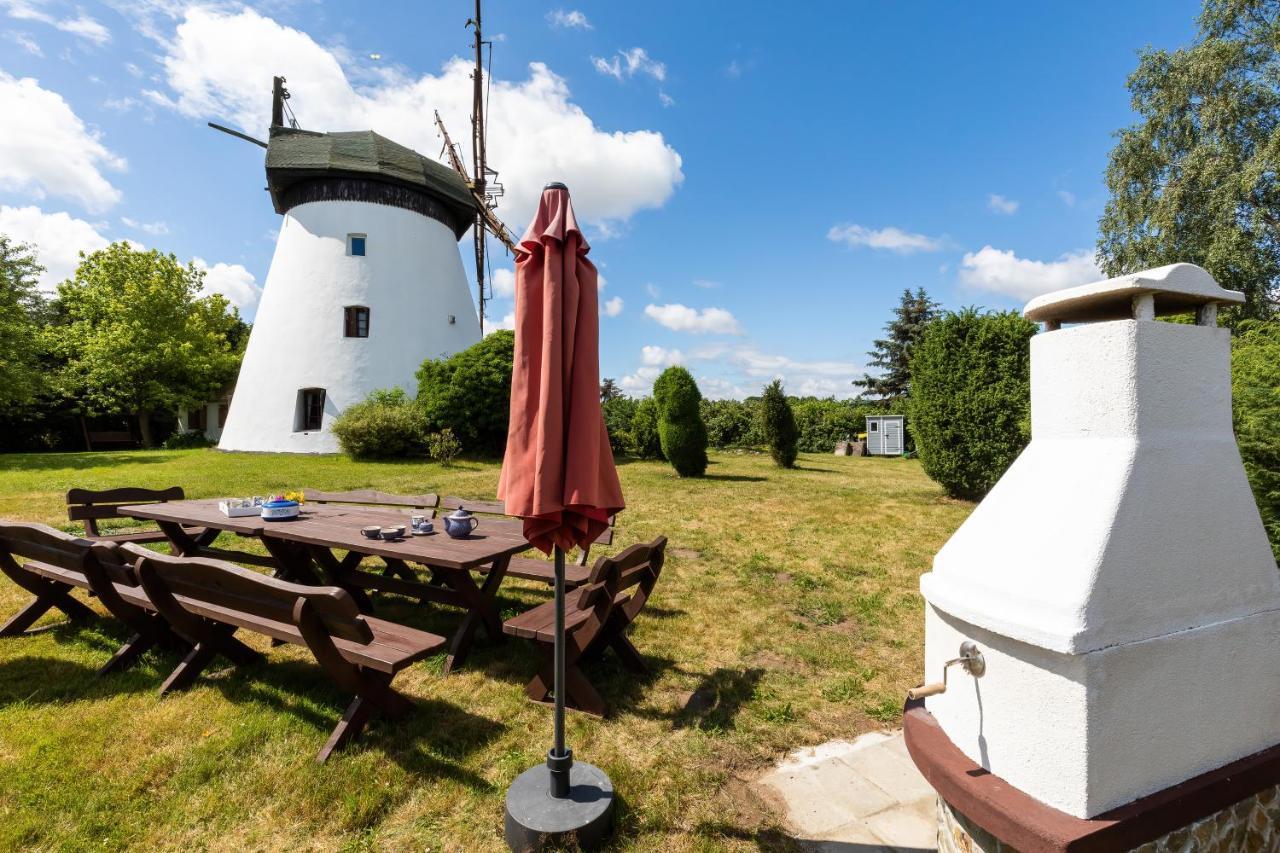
[
  {"x": 1117, "y": 581},
  {"x": 366, "y": 282}
]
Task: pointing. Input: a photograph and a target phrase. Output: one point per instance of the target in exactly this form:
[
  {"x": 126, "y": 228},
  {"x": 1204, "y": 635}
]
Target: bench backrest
[
  {"x": 44, "y": 544},
  {"x": 637, "y": 566},
  {"x": 89, "y": 506},
  {"x": 228, "y": 586},
  {"x": 372, "y": 497}
]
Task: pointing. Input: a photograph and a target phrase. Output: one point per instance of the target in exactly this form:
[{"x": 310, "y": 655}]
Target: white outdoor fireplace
[{"x": 1117, "y": 581}]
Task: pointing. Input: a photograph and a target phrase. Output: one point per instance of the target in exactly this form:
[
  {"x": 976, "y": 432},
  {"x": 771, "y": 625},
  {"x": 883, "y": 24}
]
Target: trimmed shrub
[
  {"x": 192, "y": 438},
  {"x": 680, "y": 429},
  {"x": 618, "y": 413},
  {"x": 385, "y": 425},
  {"x": 731, "y": 423},
  {"x": 778, "y": 424},
  {"x": 470, "y": 393},
  {"x": 443, "y": 446},
  {"x": 643, "y": 440},
  {"x": 971, "y": 398},
  {"x": 1255, "y": 390}
]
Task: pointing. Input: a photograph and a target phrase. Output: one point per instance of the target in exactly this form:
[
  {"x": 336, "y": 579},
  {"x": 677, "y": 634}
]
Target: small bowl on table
[
  {"x": 391, "y": 534},
  {"x": 373, "y": 531}
]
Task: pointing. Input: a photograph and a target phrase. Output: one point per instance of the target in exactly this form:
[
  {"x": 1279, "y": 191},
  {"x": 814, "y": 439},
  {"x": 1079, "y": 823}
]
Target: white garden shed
[{"x": 884, "y": 435}]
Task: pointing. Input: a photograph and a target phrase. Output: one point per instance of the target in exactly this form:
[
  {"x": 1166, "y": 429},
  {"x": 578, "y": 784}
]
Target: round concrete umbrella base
[{"x": 536, "y": 819}]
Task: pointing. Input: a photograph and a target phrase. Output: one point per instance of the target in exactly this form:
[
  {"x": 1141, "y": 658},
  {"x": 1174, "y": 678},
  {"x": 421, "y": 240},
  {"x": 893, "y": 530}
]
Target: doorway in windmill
[{"x": 309, "y": 413}]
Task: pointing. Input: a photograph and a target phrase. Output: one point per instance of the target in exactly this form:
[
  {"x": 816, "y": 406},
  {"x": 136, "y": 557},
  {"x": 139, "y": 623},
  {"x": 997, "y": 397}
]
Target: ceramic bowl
[
  {"x": 371, "y": 532},
  {"x": 392, "y": 533}
]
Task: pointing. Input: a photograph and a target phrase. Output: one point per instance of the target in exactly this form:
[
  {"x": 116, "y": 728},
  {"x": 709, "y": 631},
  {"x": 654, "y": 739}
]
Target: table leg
[
  {"x": 182, "y": 543},
  {"x": 337, "y": 571},
  {"x": 293, "y": 560},
  {"x": 480, "y": 608}
]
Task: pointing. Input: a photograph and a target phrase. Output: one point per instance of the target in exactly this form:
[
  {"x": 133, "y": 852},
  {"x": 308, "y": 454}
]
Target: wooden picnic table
[{"x": 301, "y": 546}]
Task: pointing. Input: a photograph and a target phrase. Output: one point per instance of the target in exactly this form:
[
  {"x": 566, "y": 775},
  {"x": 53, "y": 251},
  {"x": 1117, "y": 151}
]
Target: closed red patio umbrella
[{"x": 558, "y": 475}]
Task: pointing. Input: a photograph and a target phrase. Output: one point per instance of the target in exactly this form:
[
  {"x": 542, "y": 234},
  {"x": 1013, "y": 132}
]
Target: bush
[
  {"x": 778, "y": 424},
  {"x": 824, "y": 423},
  {"x": 1255, "y": 390},
  {"x": 470, "y": 393},
  {"x": 731, "y": 423},
  {"x": 385, "y": 425},
  {"x": 618, "y": 413},
  {"x": 971, "y": 398},
  {"x": 189, "y": 440},
  {"x": 443, "y": 446},
  {"x": 680, "y": 429},
  {"x": 643, "y": 440}
]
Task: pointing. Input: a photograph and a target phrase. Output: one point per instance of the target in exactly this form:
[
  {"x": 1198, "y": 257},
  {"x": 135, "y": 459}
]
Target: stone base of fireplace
[{"x": 1233, "y": 808}]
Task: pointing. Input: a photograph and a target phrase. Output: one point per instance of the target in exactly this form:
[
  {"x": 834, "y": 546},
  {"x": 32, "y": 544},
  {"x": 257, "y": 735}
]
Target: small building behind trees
[{"x": 885, "y": 435}]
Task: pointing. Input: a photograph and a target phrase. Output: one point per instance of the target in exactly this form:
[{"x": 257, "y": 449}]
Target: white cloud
[
  {"x": 733, "y": 70},
  {"x": 218, "y": 64},
  {"x": 612, "y": 307},
  {"x": 25, "y": 41},
  {"x": 57, "y": 237},
  {"x": 508, "y": 322},
  {"x": 45, "y": 149},
  {"x": 628, "y": 63},
  {"x": 681, "y": 318},
  {"x": 893, "y": 239},
  {"x": 504, "y": 283},
  {"x": 651, "y": 289},
  {"x": 1067, "y": 197},
  {"x": 232, "y": 281},
  {"x": 81, "y": 26},
  {"x": 152, "y": 228},
  {"x": 1000, "y": 204},
  {"x": 573, "y": 19},
  {"x": 86, "y": 28},
  {"x": 1001, "y": 271},
  {"x": 756, "y": 363},
  {"x": 133, "y": 70},
  {"x": 655, "y": 356},
  {"x": 706, "y": 284}
]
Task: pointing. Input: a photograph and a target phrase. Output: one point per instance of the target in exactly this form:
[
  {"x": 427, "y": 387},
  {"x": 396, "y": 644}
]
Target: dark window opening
[
  {"x": 310, "y": 410},
  {"x": 195, "y": 419},
  {"x": 223, "y": 408},
  {"x": 874, "y": 426},
  {"x": 355, "y": 244},
  {"x": 356, "y": 321}
]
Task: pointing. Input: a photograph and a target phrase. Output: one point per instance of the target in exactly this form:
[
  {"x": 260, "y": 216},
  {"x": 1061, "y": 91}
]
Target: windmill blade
[
  {"x": 496, "y": 226},
  {"x": 237, "y": 134}
]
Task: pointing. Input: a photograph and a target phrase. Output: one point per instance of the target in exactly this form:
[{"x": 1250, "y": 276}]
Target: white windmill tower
[{"x": 366, "y": 282}]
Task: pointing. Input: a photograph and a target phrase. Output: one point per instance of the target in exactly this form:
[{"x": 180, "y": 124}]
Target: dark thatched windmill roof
[{"x": 305, "y": 165}]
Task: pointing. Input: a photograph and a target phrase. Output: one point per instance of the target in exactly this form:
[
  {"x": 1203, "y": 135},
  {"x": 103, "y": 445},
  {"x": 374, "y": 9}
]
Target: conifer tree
[
  {"x": 892, "y": 354},
  {"x": 778, "y": 423}
]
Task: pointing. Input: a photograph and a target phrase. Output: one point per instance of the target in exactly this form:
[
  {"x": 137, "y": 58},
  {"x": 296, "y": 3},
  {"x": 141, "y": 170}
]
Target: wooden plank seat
[
  {"x": 532, "y": 568},
  {"x": 55, "y": 563},
  {"x": 597, "y": 615},
  {"x": 207, "y": 601},
  {"x": 89, "y": 507}
]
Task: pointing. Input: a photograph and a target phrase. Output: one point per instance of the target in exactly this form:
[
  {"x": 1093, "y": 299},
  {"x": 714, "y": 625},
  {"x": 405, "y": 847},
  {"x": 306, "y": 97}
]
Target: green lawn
[{"x": 787, "y": 614}]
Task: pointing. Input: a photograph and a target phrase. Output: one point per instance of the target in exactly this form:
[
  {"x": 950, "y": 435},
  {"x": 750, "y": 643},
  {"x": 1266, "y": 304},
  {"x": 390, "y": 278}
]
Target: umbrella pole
[{"x": 559, "y": 760}]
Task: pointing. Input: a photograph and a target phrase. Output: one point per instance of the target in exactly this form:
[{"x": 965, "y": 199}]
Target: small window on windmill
[
  {"x": 356, "y": 321},
  {"x": 309, "y": 412},
  {"x": 355, "y": 244}
]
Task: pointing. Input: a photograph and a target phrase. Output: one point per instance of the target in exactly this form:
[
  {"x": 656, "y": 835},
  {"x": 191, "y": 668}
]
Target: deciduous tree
[
  {"x": 1198, "y": 177},
  {"x": 21, "y": 307},
  {"x": 140, "y": 338}
]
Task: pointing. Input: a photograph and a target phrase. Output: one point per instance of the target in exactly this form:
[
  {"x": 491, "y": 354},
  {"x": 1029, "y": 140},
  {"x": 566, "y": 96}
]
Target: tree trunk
[{"x": 144, "y": 429}]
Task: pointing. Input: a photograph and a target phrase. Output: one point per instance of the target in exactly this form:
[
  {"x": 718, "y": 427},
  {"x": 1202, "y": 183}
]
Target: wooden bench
[
  {"x": 597, "y": 614},
  {"x": 109, "y": 437},
  {"x": 89, "y": 507},
  {"x": 532, "y": 568},
  {"x": 207, "y": 601},
  {"x": 55, "y": 563}
]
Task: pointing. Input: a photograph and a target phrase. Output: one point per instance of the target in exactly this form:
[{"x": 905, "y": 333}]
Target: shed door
[
  {"x": 873, "y": 436},
  {"x": 892, "y": 437}
]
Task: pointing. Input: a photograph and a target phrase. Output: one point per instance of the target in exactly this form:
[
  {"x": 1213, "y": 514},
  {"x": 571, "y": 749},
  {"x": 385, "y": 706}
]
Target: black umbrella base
[{"x": 536, "y": 819}]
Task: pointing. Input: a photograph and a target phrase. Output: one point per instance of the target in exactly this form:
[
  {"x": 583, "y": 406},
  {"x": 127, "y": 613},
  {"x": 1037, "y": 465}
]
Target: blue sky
[{"x": 760, "y": 183}]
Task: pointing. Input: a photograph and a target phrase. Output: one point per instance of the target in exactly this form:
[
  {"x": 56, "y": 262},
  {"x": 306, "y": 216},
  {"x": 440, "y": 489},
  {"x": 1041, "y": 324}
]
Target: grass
[{"x": 787, "y": 614}]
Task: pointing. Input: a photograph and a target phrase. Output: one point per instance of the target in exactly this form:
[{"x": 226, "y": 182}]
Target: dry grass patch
[{"x": 787, "y": 614}]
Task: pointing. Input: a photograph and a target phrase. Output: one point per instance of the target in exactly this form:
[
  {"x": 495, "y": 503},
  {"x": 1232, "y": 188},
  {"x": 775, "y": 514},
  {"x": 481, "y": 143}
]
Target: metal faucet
[{"x": 971, "y": 660}]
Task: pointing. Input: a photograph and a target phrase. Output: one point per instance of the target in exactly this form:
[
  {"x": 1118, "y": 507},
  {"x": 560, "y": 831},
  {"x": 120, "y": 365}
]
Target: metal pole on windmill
[{"x": 478, "y": 160}]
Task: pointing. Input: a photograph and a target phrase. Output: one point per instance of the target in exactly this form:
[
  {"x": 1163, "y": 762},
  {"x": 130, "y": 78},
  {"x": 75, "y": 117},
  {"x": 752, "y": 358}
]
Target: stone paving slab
[{"x": 861, "y": 795}]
